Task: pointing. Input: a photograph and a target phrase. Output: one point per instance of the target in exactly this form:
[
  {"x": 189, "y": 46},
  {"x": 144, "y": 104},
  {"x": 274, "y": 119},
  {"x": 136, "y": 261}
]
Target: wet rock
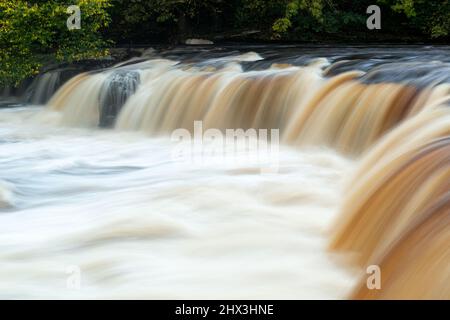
[
  {"x": 199, "y": 42},
  {"x": 115, "y": 92}
]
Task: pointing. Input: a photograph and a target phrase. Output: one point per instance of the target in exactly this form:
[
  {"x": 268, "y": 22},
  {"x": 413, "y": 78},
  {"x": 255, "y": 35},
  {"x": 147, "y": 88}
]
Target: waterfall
[
  {"x": 43, "y": 87},
  {"x": 401, "y": 175},
  {"x": 349, "y": 111},
  {"x": 394, "y": 119},
  {"x": 94, "y": 99},
  {"x": 79, "y": 100},
  {"x": 415, "y": 267},
  {"x": 226, "y": 98},
  {"x": 46, "y": 84},
  {"x": 396, "y": 212}
]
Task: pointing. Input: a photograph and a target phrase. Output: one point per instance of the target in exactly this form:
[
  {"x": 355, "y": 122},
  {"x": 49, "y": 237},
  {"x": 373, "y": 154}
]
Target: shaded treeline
[{"x": 33, "y": 33}]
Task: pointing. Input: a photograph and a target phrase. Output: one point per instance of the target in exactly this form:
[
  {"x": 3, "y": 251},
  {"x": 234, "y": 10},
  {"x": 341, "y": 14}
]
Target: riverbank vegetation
[{"x": 33, "y": 32}]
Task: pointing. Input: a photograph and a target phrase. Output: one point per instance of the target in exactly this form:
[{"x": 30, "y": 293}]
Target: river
[{"x": 96, "y": 201}]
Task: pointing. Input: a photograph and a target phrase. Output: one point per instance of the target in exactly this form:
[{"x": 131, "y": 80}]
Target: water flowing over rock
[{"x": 365, "y": 154}]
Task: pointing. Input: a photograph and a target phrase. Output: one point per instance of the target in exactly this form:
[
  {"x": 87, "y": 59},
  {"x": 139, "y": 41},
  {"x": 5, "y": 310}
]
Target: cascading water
[{"x": 139, "y": 223}]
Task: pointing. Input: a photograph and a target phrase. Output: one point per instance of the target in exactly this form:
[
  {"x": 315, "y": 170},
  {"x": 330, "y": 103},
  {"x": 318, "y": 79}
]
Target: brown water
[{"x": 360, "y": 178}]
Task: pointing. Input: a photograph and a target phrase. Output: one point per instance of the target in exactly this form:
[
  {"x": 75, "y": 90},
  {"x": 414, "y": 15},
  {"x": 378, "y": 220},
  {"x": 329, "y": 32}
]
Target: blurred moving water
[{"x": 89, "y": 182}]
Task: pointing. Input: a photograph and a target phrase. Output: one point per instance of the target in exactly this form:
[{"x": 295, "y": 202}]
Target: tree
[
  {"x": 173, "y": 19},
  {"x": 313, "y": 7},
  {"x": 35, "y": 32},
  {"x": 307, "y": 18},
  {"x": 432, "y": 17}
]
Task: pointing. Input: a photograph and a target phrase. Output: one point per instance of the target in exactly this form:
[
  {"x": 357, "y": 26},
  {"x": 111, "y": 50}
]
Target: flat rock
[{"x": 198, "y": 42}]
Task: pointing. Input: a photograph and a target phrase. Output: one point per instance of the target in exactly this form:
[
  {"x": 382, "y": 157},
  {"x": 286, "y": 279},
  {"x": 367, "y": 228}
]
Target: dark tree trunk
[{"x": 184, "y": 28}]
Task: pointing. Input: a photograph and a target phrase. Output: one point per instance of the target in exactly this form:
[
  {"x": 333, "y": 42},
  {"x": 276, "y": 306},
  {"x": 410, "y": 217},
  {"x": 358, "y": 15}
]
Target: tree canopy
[{"x": 34, "y": 31}]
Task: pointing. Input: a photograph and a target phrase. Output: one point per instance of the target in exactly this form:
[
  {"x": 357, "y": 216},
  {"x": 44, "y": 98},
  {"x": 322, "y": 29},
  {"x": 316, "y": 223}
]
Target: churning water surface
[
  {"x": 94, "y": 202},
  {"x": 135, "y": 222}
]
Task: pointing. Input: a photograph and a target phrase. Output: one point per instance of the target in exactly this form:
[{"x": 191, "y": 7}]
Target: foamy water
[{"x": 138, "y": 223}]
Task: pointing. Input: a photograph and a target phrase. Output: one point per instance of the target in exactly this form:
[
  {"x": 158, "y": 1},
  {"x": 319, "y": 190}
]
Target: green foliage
[
  {"x": 30, "y": 30},
  {"x": 162, "y": 17},
  {"x": 432, "y": 17},
  {"x": 312, "y": 7},
  {"x": 257, "y": 13},
  {"x": 309, "y": 17}
]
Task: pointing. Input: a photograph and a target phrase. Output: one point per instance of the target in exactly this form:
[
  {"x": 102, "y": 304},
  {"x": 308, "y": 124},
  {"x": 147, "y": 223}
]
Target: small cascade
[
  {"x": 78, "y": 100},
  {"x": 46, "y": 84},
  {"x": 43, "y": 87},
  {"x": 94, "y": 99}
]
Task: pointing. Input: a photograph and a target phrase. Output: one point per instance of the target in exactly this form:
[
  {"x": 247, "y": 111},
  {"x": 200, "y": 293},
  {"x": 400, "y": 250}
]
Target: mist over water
[{"x": 89, "y": 181}]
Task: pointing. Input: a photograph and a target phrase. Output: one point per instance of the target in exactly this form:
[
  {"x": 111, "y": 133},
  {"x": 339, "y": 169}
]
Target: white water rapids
[{"x": 139, "y": 224}]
